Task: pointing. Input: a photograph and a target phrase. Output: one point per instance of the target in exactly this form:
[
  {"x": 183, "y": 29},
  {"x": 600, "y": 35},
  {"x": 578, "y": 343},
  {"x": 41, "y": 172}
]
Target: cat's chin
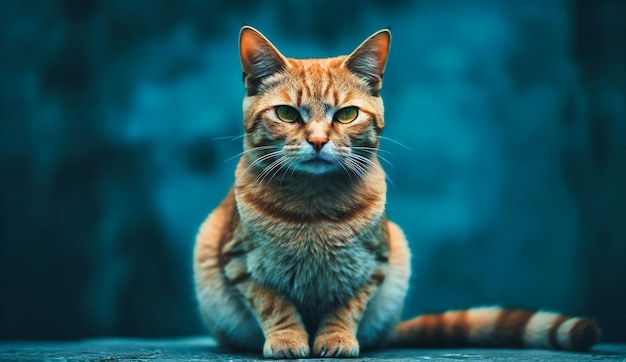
[{"x": 317, "y": 166}]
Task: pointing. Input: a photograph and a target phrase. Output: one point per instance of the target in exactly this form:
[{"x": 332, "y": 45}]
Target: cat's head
[{"x": 317, "y": 116}]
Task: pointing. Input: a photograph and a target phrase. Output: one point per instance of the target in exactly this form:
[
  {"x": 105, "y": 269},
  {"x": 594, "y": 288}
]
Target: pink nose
[{"x": 318, "y": 142}]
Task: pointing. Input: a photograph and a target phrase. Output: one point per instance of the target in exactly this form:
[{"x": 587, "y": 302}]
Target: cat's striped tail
[{"x": 497, "y": 327}]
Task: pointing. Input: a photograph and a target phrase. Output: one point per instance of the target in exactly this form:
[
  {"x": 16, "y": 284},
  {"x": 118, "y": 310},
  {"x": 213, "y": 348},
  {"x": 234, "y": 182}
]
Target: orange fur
[{"x": 300, "y": 258}]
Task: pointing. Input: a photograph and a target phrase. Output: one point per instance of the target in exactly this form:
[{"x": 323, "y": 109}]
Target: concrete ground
[{"x": 203, "y": 348}]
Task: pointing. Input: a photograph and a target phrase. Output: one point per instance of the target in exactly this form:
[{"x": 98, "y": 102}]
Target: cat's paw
[
  {"x": 336, "y": 344},
  {"x": 286, "y": 344}
]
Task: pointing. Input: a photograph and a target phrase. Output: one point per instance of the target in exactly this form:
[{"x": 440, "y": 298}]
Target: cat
[{"x": 300, "y": 259}]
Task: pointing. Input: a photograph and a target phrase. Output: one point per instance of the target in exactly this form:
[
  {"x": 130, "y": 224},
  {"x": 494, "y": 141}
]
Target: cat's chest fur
[
  {"x": 316, "y": 245},
  {"x": 313, "y": 273}
]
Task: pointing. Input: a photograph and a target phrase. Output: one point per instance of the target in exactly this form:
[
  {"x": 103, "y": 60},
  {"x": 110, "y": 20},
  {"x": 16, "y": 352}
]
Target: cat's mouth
[
  {"x": 317, "y": 160},
  {"x": 317, "y": 164}
]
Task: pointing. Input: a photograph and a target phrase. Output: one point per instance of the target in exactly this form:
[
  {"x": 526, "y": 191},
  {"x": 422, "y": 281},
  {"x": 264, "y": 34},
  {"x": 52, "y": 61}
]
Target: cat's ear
[
  {"x": 368, "y": 59},
  {"x": 259, "y": 58}
]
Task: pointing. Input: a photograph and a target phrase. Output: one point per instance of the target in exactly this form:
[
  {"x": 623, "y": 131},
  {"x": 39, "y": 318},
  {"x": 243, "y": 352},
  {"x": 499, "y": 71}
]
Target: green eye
[
  {"x": 287, "y": 114},
  {"x": 346, "y": 115}
]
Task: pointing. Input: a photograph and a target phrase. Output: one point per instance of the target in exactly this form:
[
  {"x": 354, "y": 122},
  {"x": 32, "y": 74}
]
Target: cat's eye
[
  {"x": 347, "y": 114},
  {"x": 287, "y": 114}
]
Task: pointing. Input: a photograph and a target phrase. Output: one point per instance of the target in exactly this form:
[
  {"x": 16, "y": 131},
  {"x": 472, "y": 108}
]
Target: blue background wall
[{"x": 511, "y": 187}]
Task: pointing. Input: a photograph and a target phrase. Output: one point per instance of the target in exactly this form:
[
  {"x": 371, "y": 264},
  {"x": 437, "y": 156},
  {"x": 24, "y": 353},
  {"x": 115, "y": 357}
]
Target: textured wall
[{"x": 511, "y": 183}]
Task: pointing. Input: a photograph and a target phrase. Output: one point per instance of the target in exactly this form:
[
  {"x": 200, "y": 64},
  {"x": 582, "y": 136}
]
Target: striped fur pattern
[{"x": 299, "y": 259}]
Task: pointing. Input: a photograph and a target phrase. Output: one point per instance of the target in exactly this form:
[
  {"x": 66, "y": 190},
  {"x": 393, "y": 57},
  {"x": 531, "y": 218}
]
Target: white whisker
[
  {"x": 283, "y": 164},
  {"x": 357, "y": 168},
  {"x": 341, "y": 162},
  {"x": 371, "y": 149},
  {"x": 360, "y": 171},
  {"x": 367, "y": 161},
  {"x": 256, "y": 162},
  {"x": 250, "y": 150},
  {"x": 230, "y": 138},
  {"x": 373, "y": 152},
  {"x": 271, "y": 168},
  {"x": 396, "y": 142},
  {"x": 285, "y": 173},
  {"x": 267, "y": 169}
]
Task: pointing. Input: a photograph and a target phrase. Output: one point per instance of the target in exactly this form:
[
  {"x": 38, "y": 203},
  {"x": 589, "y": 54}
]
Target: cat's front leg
[
  {"x": 285, "y": 336},
  {"x": 336, "y": 335}
]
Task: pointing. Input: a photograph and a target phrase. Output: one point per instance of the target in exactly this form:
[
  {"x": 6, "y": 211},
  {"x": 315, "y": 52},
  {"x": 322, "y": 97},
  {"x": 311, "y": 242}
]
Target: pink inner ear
[
  {"x": 369, "y": 59},
  {"x": 250, "y": 43},
  {"x": 376, "y": 49},
  {"x": 259, "y": 57}
]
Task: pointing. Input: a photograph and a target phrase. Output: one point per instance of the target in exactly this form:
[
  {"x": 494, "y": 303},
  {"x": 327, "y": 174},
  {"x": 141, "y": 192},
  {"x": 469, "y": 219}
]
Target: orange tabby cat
[{"x": 300, "y": 258}]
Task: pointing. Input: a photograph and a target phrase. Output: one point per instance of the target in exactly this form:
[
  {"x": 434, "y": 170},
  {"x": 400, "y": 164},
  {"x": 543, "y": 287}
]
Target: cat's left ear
[
  {"x": 259, "y": 58},
  {"x": 368, "y": 60}
]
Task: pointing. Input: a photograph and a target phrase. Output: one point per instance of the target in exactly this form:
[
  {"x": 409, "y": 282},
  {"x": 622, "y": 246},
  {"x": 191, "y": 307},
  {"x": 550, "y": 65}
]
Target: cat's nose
[{"x": 317, "y": 142}]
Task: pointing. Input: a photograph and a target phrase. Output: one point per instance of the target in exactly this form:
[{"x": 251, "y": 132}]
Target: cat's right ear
[
  {"x": 369, "y": 59},
  {"x": 259, "y": 58}
]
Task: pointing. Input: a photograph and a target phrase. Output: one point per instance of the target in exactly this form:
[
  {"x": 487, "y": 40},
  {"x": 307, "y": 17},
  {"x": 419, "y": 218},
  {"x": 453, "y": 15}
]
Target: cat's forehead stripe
[
  {"x": 285, "y": 96},
  {"x": 299, "y": 97},
  {"x": 316, "y": 82},
  {"x": 335, "y": 97}
]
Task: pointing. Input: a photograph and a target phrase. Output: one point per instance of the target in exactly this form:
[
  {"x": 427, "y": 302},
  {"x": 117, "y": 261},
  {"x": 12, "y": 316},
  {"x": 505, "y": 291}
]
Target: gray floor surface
[{"x": 203, "y": 348}]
